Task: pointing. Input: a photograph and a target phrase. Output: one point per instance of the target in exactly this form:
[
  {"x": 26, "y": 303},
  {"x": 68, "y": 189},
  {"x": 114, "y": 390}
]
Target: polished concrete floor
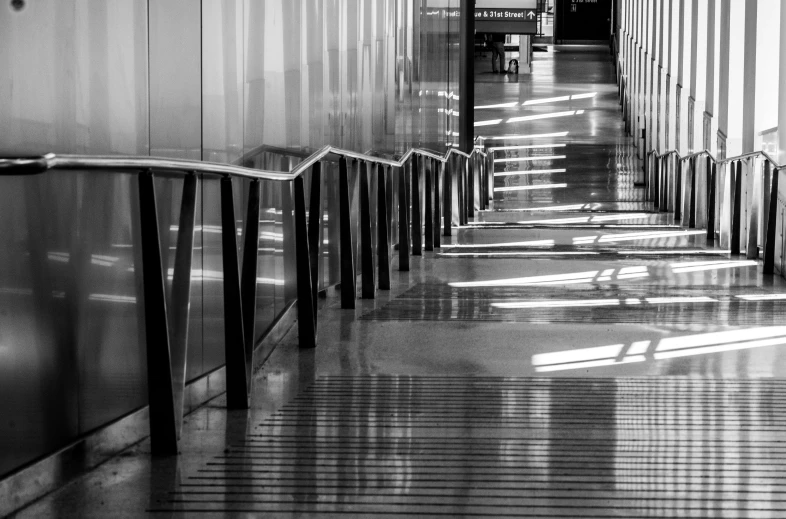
[{"x": 571, "y": 353}]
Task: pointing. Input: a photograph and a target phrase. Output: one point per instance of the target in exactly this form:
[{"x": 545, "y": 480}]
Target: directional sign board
[{"x": 509, "y": 17}]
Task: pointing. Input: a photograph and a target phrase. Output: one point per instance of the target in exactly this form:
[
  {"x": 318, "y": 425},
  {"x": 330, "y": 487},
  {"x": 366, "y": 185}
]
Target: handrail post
[
  {"x": 181, "y": 292},
  {"x": 437, "y": 167},
  {"x": 490, "y": 177},
  {"x": 677, "y": 202},
  {"x": 470, "y": 188},
  {"x": 692, "y": 202},
  {"x": 429, "y": 214},
  {"x": 314, "y": 228},
  {"x": 367, "y": 290},
  {"x": 736, "y": 194},
  {"x": 447, "y": 197},
  {"x": 348, "y": 290},
  {"x": 417, "y": 230},
  {"x": 711, "y": 194},
  {"x": 772, "y": 221},
  {"x": 752, "y": 242},
  {"x": 383, "y": 242},
  {"x": 307, "y": 331},
  {"x": 161, "y": 399},
  {"x": 248, "y": 279},
  {"x": 234, "y": 341},
  {"x": 403, "y": 221}
]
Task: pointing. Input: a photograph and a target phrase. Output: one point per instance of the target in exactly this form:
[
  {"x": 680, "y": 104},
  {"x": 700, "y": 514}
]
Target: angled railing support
[
  {"x": 248, "y": 279},
  {"x": 417, "y": 228},
  {"x": 307, "y": 330},
  {"x": 348, "y": 290},
  {"x": 163, "y": 422},
  {"x": 403, "y": 224},
  {"x": 234, "y": 342},
  {"x": 181, "y": 292},
  {"x": 367, "y": 289},
  {"x": 383, "y": 239},
  {"x": 429, "y": 199},
  {"x": 771, "y": 219}
]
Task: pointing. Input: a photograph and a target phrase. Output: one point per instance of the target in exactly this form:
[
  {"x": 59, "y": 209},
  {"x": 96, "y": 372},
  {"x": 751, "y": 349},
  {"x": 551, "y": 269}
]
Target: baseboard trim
[{"x": 43, "y": 476}]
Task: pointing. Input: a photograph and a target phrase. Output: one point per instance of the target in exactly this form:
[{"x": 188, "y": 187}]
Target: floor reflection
[{"x": 485, "y": 446}]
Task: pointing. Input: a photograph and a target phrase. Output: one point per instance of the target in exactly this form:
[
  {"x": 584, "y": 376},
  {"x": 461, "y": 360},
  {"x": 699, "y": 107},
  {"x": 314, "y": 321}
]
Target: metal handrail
[
  {"x": 41, "y": 164},
  {"x": 722, "y": 161}
]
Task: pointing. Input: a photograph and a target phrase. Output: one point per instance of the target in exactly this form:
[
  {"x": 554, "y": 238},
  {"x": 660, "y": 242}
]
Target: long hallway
[{"x": 570, "y": 353}]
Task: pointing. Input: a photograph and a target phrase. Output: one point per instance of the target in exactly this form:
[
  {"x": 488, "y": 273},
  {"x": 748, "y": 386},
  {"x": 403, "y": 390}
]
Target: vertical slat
[
  {"x": 677, "y": 193},
  {"x": 366, "y": 248},
  {"x": 736, "y": 171},
  {"x": 462, "y": 186},
  {"x": 314, "y": 224},
  {"x": 248, "y": 280},
  {"x": 163, "y": 422},
  {"x": 470, "y": 189},
  {"x": 447, "y": 198},
  {"x": 234, "y": 343},
  {"x": 692, "y": 203},
  {"x": 403, "y": 222},
  {"x": 348, "y": 291},
  {"x": 307, "y": 330},
  {"x": 755, "y": 183},
  {"x": 711, "y": 193},
  {"x": 772, "y": 215},
  {"x": 417, "y": 230},
  {"x": 181, "y": 292},
  {"x": 481, "y": 182},
  {"x": 490, "y": 176},
  {"x": 437, "y": 202},
  {"x": 651, "y": 180},
  {"x": 455, "y": 184},
  {"x": 428, "y": 196},
  {"x": 383, "y": 240}
]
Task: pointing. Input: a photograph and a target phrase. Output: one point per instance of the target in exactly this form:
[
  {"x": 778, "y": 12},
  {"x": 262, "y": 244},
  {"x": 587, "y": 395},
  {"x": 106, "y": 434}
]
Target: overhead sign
[{"x": 506, "y": 20}]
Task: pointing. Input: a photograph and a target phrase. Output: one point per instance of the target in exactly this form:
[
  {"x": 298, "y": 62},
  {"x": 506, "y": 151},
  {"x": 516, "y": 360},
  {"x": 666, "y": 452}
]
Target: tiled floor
[{"x": 570, "y": 354}]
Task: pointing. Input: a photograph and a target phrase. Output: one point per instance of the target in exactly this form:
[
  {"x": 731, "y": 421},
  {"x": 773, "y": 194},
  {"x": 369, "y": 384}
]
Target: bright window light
[
  {"x": 533, "y": 243},
  {"x": 531, "y": 136},
  {"x": 584, "y": 96},
  {"x": 530, "y": 188},
  {"x": 529, "y": 172},
  {"x": 724, "y": 337},
  {"x": 664, "y": 252},
  {"x": 666, "y": 300},
  {"x": 112, "y": 298},
  {"x": 610, "y": 238},
  {"x": 530, "y": 159},
  {"x": 638, "y": 348},
  {"x": 546, "y": 100},
  {"x": 490, "y": 122},
  {"x": 687, "y": 267},
  {"x": 501, "y": 105},
  {"x": 762, "y": 297},
  {"x": 570, "y": 303},
  {"x": 529, "y": 147},
  {"x": 541, "y": 116},
  {"x": 591, "y": 364},
  {"x": 515, "y": 254},
  {"x": 588, "y": 219},
  {"x": 532, "y": 280},
  {"x": 583, "y": 354}
]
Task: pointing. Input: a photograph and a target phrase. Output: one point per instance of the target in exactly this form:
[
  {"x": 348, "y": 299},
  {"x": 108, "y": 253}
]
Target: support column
[
  {"x": 709, "y": 105},
  {"x": 467, "y": 76},
  {"x": 749, "y": 78},
  {"x": 723, "y": 78},
  {"x": 782, "y": 90}
]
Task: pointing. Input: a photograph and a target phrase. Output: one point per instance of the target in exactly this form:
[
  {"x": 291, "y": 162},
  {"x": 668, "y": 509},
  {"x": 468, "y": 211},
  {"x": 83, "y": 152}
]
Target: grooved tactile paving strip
[
  {"x": 507, "y": 447},
  {"x": 584, "y": 303}
]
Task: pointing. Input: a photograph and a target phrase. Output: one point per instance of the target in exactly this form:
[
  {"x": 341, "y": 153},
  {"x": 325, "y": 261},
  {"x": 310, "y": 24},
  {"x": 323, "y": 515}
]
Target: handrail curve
[
  {"x": 43, "y": 163},
  {"x": 709, "y": 154}
]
